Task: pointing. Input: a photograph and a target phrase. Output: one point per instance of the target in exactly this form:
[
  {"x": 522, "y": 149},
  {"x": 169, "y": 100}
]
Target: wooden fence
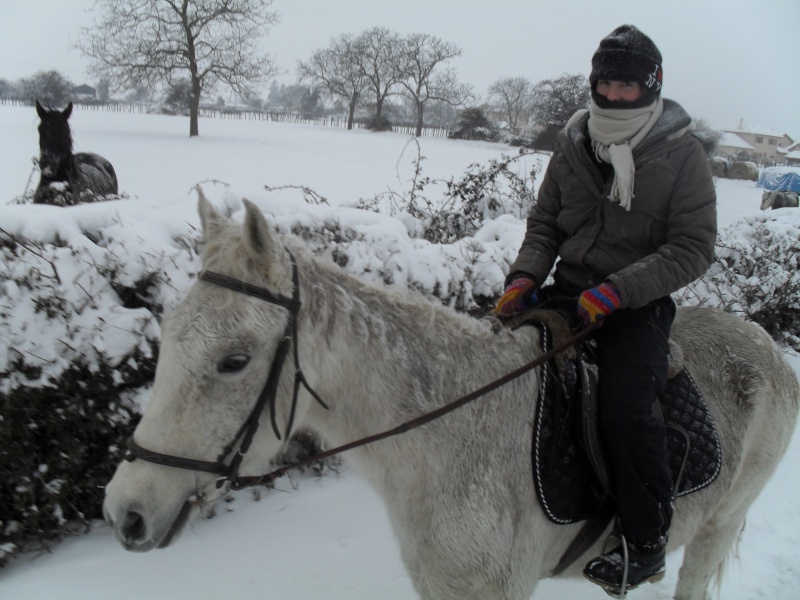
[{"x": 246, "y": 115}]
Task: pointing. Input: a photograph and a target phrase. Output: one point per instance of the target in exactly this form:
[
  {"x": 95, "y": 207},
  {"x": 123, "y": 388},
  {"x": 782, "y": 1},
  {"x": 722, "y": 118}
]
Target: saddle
[{"x": 570, "y": 468}]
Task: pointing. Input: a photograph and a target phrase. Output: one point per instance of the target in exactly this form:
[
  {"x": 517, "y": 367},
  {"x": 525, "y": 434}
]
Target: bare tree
[
  {"x": 556, "y": 100},
  {"x": 210, "y": 42},
  {"x": 7, "y": 89},
  {"x": 376, "y": 61},
  {"x": 50, "y": 88},
  {"x": 337, "y": 71},
  {"x": 512, "y": 97},
  {"x": 419, "y": 57}
]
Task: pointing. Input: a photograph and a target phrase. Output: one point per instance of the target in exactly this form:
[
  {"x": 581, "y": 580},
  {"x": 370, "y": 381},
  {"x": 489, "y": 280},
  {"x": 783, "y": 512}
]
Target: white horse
[{"x": 459, "y": 491}]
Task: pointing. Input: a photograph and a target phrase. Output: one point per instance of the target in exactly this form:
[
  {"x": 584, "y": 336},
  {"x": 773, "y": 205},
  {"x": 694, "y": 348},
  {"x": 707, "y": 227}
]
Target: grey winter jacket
[{"x": 664, "y": 242}]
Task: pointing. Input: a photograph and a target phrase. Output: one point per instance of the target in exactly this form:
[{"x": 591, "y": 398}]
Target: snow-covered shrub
[
  {"x": 472, "y": 124},
  {"x": 483, "y": 193},
  {"x": 59, "y": 446},
  {"x": 756, "y": 274},
  {"x": 514, "y": 139},
  {"x": 546, "y": 138},
  {"x": 466, "y": 275},
  {"x": 80, "y": 335},
  {"x": 379, "y": 124}
]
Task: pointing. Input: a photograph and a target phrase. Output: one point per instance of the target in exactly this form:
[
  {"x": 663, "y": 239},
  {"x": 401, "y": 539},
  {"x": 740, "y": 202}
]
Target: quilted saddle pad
[{"x": 567, "y": 486}]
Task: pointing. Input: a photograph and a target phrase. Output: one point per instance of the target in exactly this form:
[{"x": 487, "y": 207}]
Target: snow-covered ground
[{"x": 310, "y": 538}]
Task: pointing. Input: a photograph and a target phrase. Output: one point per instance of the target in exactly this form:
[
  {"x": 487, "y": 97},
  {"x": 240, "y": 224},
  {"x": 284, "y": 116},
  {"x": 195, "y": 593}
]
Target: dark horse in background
[{"x": 68, "y": 178}]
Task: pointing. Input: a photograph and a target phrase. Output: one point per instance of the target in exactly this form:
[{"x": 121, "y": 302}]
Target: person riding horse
[{"x": 628, "y": 208}]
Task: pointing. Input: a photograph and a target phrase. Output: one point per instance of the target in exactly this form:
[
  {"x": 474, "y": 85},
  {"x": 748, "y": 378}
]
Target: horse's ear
[
  {"x": 67, "y": 111},
  {"x": 210, "y": 219},
  {"x": 40, "y": 110},
  {"x": 259, "y": 236}
]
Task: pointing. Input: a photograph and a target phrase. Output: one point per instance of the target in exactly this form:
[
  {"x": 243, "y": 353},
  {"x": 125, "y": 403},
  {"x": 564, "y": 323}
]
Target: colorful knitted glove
[
  {"x": 519, "y": 295},
  {"x": 597, "y": 303}
]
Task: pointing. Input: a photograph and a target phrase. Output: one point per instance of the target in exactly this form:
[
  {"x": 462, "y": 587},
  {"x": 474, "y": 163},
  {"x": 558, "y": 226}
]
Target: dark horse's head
[{"x": 55, "y": 139}]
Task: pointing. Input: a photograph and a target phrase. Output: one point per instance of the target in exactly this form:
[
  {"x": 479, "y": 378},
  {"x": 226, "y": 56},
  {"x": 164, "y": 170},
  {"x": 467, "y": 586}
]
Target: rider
[{"x": 628, "y": 207}]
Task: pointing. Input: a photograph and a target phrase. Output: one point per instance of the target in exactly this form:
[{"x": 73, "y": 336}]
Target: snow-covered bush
[
  {"x": 80, "y": 338},
  {"x": 756, "y": 274},
  {"x": 472, "y": 124},
  {"x": 483, "y": 193}
]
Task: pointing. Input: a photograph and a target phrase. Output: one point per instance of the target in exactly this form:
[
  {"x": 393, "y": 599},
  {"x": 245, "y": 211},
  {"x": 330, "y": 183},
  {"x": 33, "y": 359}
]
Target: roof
[
  {"x": 731, "y": 140},
  {"x": 755, "y": 129}
]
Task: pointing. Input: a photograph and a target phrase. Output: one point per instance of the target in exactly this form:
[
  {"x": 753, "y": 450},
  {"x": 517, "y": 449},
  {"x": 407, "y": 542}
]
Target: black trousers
[{"x": 632, "y": 352}]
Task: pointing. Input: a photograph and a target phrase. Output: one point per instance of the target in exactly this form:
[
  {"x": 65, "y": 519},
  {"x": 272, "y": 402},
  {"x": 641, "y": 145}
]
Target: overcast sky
[{"x": 724, "y": 60}]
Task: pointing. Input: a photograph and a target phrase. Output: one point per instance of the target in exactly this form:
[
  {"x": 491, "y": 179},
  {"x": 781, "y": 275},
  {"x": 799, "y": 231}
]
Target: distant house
[
  {"x": 768, "y": 147},
  {"x": 732, "y": 146},
  {"x": 84, "y": 92},
  {"x": 793, "y": 158}
]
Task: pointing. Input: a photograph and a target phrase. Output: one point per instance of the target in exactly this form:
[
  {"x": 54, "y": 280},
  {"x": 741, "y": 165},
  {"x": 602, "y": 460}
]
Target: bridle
[{"x": 229, "y": 473}]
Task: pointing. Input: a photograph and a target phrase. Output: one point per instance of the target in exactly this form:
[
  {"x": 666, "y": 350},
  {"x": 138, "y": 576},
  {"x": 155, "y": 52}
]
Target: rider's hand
[
  {"x": 519, "y": 295},
  {"x": 597, "y": 303}
]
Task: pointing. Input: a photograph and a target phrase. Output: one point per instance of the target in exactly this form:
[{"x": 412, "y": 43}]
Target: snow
[
  {"x": 731, "y": 140},
  {"x": 310, "y": 538}
]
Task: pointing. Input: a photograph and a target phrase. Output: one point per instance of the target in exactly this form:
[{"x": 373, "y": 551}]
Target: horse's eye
[{"x": 233, "y": 363}]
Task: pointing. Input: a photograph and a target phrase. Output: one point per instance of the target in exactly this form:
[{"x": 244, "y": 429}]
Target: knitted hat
[{"x": 626, "y": 54}]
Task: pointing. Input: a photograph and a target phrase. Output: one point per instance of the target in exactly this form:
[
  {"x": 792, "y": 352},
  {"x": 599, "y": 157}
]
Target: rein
[
  {"x": 249, "y": 481},
  {"x": 230, "y": 473}
]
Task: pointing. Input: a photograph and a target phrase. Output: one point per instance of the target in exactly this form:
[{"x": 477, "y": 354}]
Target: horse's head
[
  {"x": 218, "y": 349},
  {"x": 55, "y": 139}
]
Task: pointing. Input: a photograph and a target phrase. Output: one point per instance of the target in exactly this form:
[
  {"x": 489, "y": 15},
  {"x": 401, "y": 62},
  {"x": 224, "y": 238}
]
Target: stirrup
[{"x": 611, "y": 587}]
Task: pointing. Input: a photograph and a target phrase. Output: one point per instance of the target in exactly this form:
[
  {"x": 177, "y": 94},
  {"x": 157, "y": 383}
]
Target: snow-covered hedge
[
  {"x": 756, "y": 274},
  {"x": 80, "y": 297},
  {"x": 82, "y": 291}
]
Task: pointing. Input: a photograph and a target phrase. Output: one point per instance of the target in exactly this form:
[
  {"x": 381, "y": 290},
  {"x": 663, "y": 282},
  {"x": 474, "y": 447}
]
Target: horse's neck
[{"x": 383, "y": 356}]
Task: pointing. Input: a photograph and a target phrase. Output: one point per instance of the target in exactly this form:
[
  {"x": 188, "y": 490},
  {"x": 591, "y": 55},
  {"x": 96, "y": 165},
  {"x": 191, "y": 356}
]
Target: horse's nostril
[{"x": 133, "y": 528}]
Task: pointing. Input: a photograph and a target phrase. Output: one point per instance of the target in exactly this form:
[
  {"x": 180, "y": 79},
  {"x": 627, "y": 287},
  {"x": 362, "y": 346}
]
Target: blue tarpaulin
[{"x": 780, "y": 179}]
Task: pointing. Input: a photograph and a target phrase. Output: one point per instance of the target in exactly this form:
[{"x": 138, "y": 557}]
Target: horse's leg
[{"x": 706, "y": 553}]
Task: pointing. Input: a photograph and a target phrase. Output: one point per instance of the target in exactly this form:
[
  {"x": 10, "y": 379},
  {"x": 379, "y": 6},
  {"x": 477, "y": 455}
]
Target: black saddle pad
[{"x": 567, "y": 486}]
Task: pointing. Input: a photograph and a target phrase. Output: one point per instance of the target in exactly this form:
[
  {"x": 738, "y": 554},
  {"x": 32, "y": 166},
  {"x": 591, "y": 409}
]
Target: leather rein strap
[{"x": 248, "y": 481}]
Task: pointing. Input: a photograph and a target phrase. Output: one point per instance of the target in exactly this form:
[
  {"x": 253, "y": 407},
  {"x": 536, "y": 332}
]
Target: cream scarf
[{"x": 615, "y": 132}]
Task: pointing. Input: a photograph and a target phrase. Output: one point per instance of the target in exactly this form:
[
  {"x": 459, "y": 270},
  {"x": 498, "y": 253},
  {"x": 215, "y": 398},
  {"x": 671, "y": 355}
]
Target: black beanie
[{"x": 626, "y": 54}]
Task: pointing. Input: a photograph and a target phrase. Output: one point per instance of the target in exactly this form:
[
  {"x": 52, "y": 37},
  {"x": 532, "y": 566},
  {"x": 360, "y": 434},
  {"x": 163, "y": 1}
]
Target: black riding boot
[{"x": 627, "y": 566}]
